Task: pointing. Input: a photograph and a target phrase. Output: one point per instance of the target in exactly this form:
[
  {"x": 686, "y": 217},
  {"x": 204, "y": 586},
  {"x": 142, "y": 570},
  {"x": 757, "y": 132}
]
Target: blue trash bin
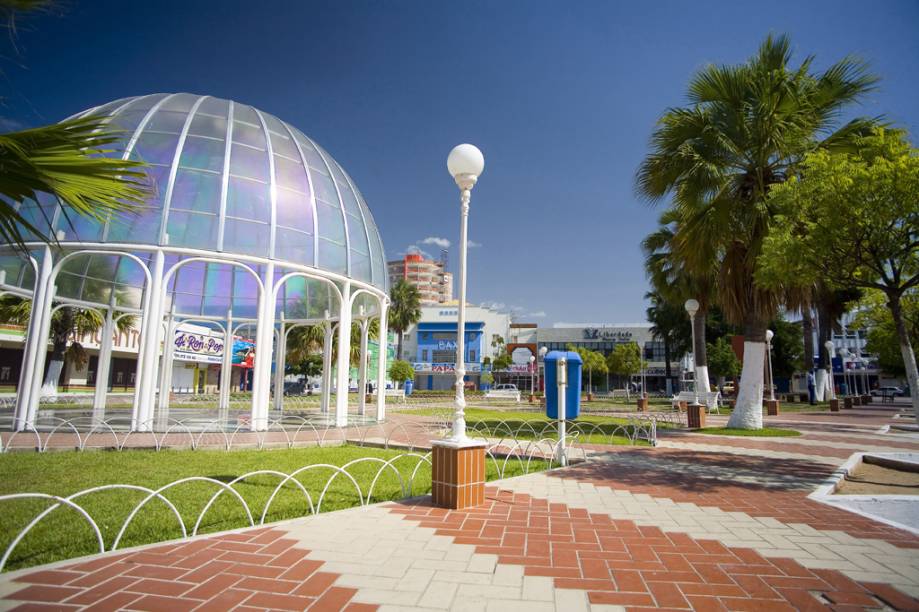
[
  {"x": 573, "y": 393},
  {"x": 409, "y": 385}
]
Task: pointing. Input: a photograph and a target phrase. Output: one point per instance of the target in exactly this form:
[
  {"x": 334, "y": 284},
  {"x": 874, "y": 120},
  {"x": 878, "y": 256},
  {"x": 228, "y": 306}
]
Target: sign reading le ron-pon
[{"x": 198, "y": 347}]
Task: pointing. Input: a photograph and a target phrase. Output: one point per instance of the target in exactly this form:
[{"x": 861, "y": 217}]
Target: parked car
[
  {"x": 505, "y": 387},
  {"x": 882, "y": 391}
]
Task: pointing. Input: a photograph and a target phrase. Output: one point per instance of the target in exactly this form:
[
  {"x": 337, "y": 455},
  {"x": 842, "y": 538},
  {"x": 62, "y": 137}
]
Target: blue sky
[{"x": 560, "y": 96}]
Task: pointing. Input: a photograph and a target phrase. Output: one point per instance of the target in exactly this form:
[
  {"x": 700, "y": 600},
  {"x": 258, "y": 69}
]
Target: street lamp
[
  {"x": 692, "y": 307},
  {"x": 829, "y": 346},
  {"x": 532, "y": 378},
  {"x": 542, "y": 356},
  {"x": 769, "y": 335},
  {"x": 465, "y": 164}
]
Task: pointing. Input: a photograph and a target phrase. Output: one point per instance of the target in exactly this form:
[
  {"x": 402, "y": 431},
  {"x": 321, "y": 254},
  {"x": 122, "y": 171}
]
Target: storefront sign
[
  {"x": 598, "y": 333},
  {"x": 445, "y": 368},
  {"x": 197, "y": 347}
]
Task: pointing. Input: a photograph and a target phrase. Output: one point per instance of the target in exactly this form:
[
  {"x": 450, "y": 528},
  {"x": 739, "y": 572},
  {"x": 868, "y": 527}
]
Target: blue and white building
[{"x": 431, "y": 344}]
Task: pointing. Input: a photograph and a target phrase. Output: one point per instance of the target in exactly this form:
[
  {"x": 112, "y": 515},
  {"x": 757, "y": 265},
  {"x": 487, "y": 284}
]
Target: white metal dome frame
[{"x": 152, "y": 385}]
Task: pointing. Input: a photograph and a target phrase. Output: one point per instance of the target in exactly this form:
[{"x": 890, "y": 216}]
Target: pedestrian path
[{"x": 718, "y": 524}]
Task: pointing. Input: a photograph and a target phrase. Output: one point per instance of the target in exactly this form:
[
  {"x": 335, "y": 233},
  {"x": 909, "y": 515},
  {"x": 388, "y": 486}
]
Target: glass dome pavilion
[{"x": 246, "y": 215}]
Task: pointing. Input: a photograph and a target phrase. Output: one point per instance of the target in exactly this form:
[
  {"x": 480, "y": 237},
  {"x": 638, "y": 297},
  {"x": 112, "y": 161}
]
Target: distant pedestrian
[{"x": 811, "y": 387}]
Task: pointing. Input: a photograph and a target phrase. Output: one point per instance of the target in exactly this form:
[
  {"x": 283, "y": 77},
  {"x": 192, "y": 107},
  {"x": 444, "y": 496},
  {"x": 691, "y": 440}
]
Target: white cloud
[
  {"x": 414, "y": 249},
  {"x": 539, "y": 314},
  {"x": 437, "y": 240},
  {"x": 472, "y": 244}
]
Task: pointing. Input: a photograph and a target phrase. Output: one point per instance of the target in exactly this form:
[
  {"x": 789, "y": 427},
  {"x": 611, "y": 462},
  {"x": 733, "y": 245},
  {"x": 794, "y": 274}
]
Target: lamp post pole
[
  {"x": 532, "y": 378},
  {"x": 692, "y": 307},
  {"x": 828, "y": 345},
  {"x": 769, "y": 335},
  {"x": 542, "y": 355}
]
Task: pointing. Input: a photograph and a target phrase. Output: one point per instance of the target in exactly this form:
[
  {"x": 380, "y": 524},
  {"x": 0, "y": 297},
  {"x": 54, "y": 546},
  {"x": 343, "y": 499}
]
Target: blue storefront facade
[{"x": 436, "y": 354}]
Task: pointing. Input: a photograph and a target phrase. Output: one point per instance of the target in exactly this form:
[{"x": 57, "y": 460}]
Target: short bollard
[
  {"x": 847, "y": 403},
  {"x": 856, "y": 400},
  {"x": 772, "y": 407},
  {"x": 642, "y": 404},
  {"x": 695, "y": 416},
  {"x": 834, "y": 405}
]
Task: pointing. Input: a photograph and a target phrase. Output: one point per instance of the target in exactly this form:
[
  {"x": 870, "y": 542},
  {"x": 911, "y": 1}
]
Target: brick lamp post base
[
  {"x": 695, "y": 416},
  {"x": 458, "y": 474},
  {"x": 772, "y": 407},
  {"x": 847, "y": 403},
  {"x": 834, "y": 405}
]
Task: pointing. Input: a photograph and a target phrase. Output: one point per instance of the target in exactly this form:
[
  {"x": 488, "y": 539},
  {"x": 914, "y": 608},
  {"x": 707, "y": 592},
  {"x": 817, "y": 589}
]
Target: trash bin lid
[{"x": 571, "y": 356}]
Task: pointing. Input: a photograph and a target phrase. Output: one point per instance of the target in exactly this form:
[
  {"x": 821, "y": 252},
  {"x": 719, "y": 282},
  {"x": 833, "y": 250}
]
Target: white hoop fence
[{"x": 42, "y": 527}]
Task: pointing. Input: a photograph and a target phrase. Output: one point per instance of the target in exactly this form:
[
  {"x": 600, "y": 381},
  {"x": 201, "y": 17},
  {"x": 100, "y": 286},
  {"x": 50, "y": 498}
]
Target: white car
[
  {"x": 505, "y": 387},
  {"x": 887, "y": 391}
]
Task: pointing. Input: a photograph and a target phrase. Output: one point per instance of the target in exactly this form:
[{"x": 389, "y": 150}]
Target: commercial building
[
  {"x": 604, "y": 338},
  {"x": 430, "y": 276},
  {"x": 430, "y": 345}
]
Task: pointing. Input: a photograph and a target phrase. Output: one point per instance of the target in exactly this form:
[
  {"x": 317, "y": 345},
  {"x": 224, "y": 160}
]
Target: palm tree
[
  {"x": 677, "y": 282},
  {"x": 68, "y": 326},
  {"x": 404, "y": 309},
  {"x": 746, "y": 129},
  {"x": 668, "y": 322}
]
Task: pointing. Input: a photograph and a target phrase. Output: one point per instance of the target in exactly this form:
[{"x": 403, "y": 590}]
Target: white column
[
  {"x": 344, "y": 353},
  {"x": 167, "y": 360},
  {"x": 226, "y": 371},
  {"x": 459, "y": 414},
  {"x": 279, "y": 364},
  {"x": 103, "y": 366},
  {"x": 264, "y": 334},
  {"x": 148, "y": 352},
  {"x": 35, "y": 345},
  {"x": 362, "y": 369},
  {"x": 383, "y": 341},
  {"x": 326, "y": 391}
]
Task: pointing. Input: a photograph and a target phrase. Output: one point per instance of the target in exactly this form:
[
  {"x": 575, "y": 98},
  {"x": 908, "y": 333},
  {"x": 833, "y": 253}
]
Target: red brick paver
[
  {"x": 620, "y": 563},
  {"x": 256, "y": 569}
]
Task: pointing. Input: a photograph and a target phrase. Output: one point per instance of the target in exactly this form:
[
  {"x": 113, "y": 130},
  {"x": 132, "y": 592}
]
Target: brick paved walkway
[{"x": 706, "y": 523}]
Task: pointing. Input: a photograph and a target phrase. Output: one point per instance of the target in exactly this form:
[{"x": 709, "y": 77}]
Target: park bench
[
  {"x": 505, "y": 394},
  {"x": 709, "y": 399}
]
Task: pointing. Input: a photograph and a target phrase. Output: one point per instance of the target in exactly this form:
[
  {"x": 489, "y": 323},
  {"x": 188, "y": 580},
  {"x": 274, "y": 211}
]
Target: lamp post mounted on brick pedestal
[{"x": 459, "y": 462}]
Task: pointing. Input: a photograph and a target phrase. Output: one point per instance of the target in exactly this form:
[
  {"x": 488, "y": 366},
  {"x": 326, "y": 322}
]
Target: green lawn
[
  {"x": 64, "y": 534},
  {"x": 765, "y": 432}
]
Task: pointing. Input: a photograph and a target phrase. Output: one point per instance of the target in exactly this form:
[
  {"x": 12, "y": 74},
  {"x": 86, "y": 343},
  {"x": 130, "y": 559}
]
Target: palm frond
[{"x": 75, "y": 161}]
